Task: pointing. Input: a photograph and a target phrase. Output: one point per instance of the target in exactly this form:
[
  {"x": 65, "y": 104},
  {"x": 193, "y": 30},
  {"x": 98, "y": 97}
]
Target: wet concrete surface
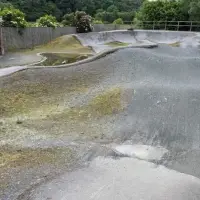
[{"x": 161, "y": 101}]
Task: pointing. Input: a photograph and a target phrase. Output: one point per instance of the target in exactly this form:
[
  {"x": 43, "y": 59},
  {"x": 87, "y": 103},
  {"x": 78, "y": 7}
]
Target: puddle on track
[{"x": 54, "y": 59}]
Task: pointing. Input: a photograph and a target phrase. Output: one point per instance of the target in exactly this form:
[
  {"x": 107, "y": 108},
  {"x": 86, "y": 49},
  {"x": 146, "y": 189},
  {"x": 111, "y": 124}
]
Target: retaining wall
[
  {"x": 14, "y": 38},
  {"x": 29, "y": 37}
]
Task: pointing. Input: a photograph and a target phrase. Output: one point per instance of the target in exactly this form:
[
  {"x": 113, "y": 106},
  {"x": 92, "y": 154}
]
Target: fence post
[
  {"x": 178, "y": 26},
  {"x": 191, "y": 26},
  {"x": 1, "y": 41},
  {"x": 165, "y": 25},
  {"x": 153, "y": 25}
]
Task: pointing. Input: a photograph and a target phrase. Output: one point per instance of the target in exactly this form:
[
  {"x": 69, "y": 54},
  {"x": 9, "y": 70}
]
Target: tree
[
  {"x": 35, "y": 9},
  {"x": 13, "y": 18},
  {"x": 4, "y": 5},
  {"x": 160, "y": 11},
  {"x": 69, "y": 20},
  {"x": 193, "y": 10},
  {"x": 68, "y": 6},
  {"x": 47, "y": 21},
  {"x": 126, "y": 16},
  {"x": 112, "y": 9}
]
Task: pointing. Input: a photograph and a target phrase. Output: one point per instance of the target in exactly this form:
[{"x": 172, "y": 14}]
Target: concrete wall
[{"x": 14, "y": 38}]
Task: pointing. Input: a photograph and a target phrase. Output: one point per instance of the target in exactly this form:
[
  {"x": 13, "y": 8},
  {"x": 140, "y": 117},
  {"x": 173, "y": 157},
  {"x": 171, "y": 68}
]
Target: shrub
[
  {"x": 83, "y": 22},
  {"x": 97, "y": 22},
  {"x": 13, "y": 18},
  {"x": 47, "y": 21},
  {"x": 126, "y": 16},
  {"x": 69, "y": 19},
  {"x": 118, "y": 21},
  {"x": 106, "y": 16},
  {"x": 32, "y": 24}
]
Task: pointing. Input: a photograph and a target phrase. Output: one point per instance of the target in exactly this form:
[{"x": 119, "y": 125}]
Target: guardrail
[{"x": 166, "y": 25}]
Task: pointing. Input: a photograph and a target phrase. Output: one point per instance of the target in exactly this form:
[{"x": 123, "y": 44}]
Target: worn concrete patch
[{"x": 143, "y": 152}]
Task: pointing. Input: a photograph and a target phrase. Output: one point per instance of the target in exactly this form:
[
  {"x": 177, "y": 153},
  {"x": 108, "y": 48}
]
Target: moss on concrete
[
  {"x": 28, "y": 157},
  {"x": 107, "y": 103},
  {"x": 104, "y": 104},
  {"x": 30, "y": 96},
  {"x": 175, "y": 44},
  {"x": 117, "y": 44}
]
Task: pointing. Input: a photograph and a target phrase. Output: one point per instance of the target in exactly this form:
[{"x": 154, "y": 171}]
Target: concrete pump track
[{"x": 121, "y": 123}]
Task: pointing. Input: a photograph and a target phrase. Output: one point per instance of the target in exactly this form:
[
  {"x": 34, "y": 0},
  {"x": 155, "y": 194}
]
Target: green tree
[
  {"x": 4, "y": 5},
  {"x": 69, "y": 19},
  {"x": 160, "y": 11},
  {"x": 68, "y": 6},
  {"x": 47, "y": 21},
  {"x": 35, "y": 9},
  {"x": 126, "y": 16},
  {"x": 112, "y": 8},
  {"x": 13, "y": 18},
  {"x": 193, "y": 10}
]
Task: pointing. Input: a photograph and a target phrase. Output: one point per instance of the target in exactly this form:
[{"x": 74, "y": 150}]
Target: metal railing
[{"x": 166, "y": 25}]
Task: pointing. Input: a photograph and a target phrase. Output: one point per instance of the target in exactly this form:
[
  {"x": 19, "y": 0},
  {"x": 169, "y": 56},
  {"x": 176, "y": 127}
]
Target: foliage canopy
[
  {"x": 47, "y": 21},
  {"x": 13, "y": 18}
]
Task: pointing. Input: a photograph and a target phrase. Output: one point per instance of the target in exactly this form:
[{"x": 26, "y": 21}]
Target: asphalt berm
[{"x": 124, "y": 126}]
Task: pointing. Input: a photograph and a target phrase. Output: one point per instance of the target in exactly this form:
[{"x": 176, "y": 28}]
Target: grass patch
[
  {"x": 107, "y": 103},
  {"x": 54, "y": 59},
  {"x": 33, "y": 157},
  {"x": 175, "y": 44},
  {"x": 116, "y": 44},
  {"x": 104, "y": 104},
  {"x": 64, "y": 43},
  {"x": 29, "y": 96}
]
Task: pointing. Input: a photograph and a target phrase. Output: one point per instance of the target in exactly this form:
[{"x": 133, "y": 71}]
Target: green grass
[
  {"x": 10, "y": 157},
  {"x": 64, "y": 43},
  {"x": 28, "y": 97},
  {"x": 104, "y": 104}
]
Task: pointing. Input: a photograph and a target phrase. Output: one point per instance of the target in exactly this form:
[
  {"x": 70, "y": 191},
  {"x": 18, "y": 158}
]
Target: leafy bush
[
  {"x": 83, "y": 22},
  {"x": 126, "y": 16},
  {"x": 106, "y": 16},
  {"x": 97, "y": 22},
  {"x": 112, "y": 16},
  {"x": 69, "y": 20},
  {"x": 118, "y": 21},
  {"x": 13, "y": 18},
  {"x": 32, "y": 24},
  {"x": 47, "y": 21}
]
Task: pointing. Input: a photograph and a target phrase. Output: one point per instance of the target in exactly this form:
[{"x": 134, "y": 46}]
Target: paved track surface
[
  {"x": 164, "y": 112},
  {"x": 149, "y": 150}
]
